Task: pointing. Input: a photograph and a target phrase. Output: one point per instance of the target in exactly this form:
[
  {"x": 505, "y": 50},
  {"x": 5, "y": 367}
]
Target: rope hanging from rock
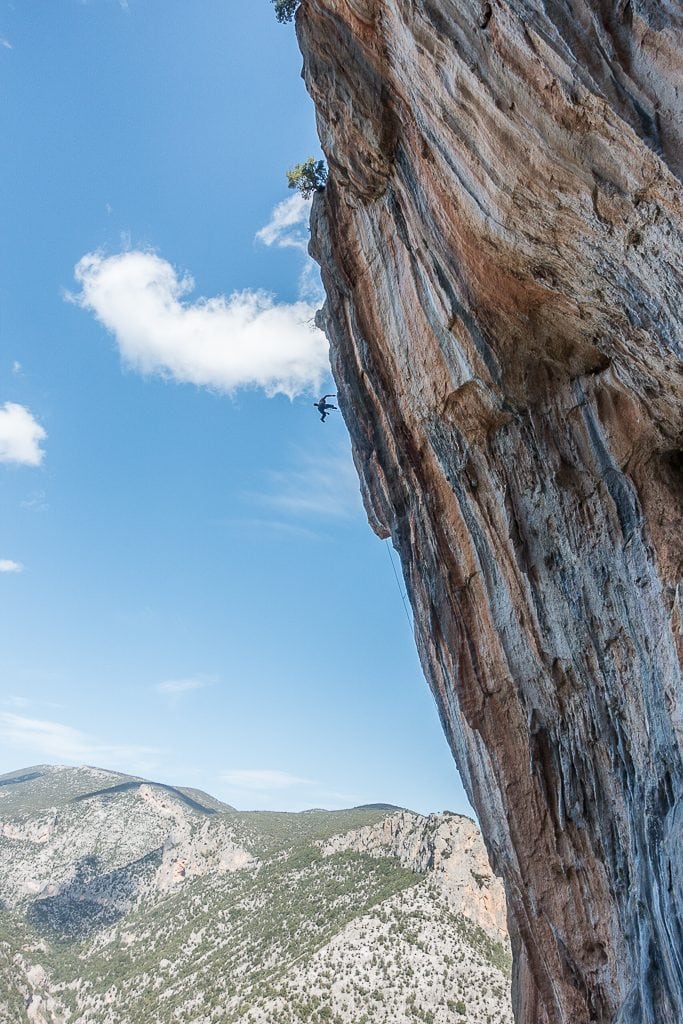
[{"x": 401, "y": 591}]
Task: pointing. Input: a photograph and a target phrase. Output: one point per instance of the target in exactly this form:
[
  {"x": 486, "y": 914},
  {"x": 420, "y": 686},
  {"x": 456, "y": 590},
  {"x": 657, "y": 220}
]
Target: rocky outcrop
[
  {"x": 450, "y": 848},
  {"x": 103, "y": 850},
  {"x": 500, "y": 245}
]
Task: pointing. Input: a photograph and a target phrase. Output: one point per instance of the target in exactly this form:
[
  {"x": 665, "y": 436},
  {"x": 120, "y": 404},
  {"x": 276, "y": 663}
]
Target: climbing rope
[{"x": 404, "y": 597}]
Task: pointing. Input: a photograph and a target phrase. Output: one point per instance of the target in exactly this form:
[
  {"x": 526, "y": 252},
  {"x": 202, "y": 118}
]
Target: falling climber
[{"x": 323, "y": 406}]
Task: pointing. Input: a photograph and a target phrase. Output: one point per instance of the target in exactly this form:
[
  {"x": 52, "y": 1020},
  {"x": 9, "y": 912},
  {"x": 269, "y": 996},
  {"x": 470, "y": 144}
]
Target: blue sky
[{"x": 189, "y": 588}]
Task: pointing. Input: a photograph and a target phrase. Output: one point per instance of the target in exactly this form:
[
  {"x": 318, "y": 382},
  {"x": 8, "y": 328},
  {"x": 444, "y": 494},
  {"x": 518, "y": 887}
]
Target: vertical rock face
[{"x": 500, "y": 243}]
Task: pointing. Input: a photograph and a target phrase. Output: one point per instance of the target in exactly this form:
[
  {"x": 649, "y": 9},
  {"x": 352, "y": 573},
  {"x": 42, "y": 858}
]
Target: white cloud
[
  {"x": 288, "y": 225},
  {"x": 7, "y": 565},
  {"x": 16, "y": 367},
  {"x": 175, "y": 687},
  {"x": 226, "y": 342},
  {"x": 20, "y": 436},
  {"x": 5, "y": 43},
  {"x": 54, "y": 741},
  {"x": 263, "y": 779}
]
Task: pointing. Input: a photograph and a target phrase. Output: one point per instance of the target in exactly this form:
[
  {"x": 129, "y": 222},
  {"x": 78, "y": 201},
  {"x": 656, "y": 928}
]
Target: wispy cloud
[
  {"x": 288, "y": 224},
  {"x": 36, "y": 502},
  {"x": 263, "y": 779},
  {"x": 316, "y": 486},
  {"x": 9, "y": 565},
  {"x": 174, "y": 689},
  {"x": 20, "y": 436},
  {"x": 16, "y": 367},
  {"x": 123, "y": 4},
  {"x": 262, "y": 788},
  {"x": 246, "y": 339},
  {"x": 310, "y": 284},
  {"x": 278, "y": 527},
  {"x": 288, "y": 229},
  {"x": 47, "y": 740},
  {"x": 5, "y": 43},
  {"x": 16, "y": 701}
]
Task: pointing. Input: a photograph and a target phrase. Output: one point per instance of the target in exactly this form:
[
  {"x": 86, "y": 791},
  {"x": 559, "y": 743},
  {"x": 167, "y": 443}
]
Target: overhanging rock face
[{"x": 500, "y": 243}]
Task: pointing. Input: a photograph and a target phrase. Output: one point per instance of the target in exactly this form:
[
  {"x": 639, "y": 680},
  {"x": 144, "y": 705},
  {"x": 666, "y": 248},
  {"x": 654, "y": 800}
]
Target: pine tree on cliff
[
  {"x": 285, "y": 9},
  {"x": 309, "y": 177}
]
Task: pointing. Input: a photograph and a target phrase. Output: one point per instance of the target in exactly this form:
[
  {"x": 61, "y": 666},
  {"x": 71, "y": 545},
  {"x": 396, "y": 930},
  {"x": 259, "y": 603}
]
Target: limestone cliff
[
  {"x": 500, "y": 244},
  {"x": 448, "y": 846}
]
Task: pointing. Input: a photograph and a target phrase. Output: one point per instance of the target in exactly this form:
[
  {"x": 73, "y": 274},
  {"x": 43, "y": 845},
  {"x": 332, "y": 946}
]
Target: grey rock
[{"x": 500, "y": 245}]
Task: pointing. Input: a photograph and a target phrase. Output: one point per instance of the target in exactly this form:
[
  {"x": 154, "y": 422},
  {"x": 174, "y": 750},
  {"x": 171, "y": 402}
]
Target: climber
[{"x": 324, "y": 406}]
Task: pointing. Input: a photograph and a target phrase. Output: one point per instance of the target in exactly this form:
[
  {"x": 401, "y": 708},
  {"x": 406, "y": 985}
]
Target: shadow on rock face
[{"x": 91, "y": 901}]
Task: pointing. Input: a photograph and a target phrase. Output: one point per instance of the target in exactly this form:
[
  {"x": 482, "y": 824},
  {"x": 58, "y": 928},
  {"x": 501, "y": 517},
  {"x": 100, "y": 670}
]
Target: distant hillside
[{"x": 123, "y": 901}]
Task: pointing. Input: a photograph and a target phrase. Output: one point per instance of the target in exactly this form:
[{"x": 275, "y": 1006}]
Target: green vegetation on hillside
[{"x": 125, "y": 901}]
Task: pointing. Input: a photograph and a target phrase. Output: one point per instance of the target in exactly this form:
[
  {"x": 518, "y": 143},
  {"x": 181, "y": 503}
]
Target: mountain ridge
[{"x": 132, "y": 907}]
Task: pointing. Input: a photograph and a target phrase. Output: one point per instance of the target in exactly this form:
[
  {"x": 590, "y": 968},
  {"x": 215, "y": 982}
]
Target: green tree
[
  {"x": 285, "y": 9},
  {"x": 309, "y": 177}
]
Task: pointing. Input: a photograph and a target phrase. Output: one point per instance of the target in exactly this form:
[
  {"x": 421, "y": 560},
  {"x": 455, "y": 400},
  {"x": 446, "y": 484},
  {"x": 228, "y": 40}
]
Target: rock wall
[
  {"x": 500, "y": 244},
  {"x": 450, "y": 848}
]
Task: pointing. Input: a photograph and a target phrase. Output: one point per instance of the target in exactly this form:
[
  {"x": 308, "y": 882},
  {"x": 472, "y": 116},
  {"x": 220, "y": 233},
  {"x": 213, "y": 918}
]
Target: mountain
[{"x": 123, "y": 901}]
